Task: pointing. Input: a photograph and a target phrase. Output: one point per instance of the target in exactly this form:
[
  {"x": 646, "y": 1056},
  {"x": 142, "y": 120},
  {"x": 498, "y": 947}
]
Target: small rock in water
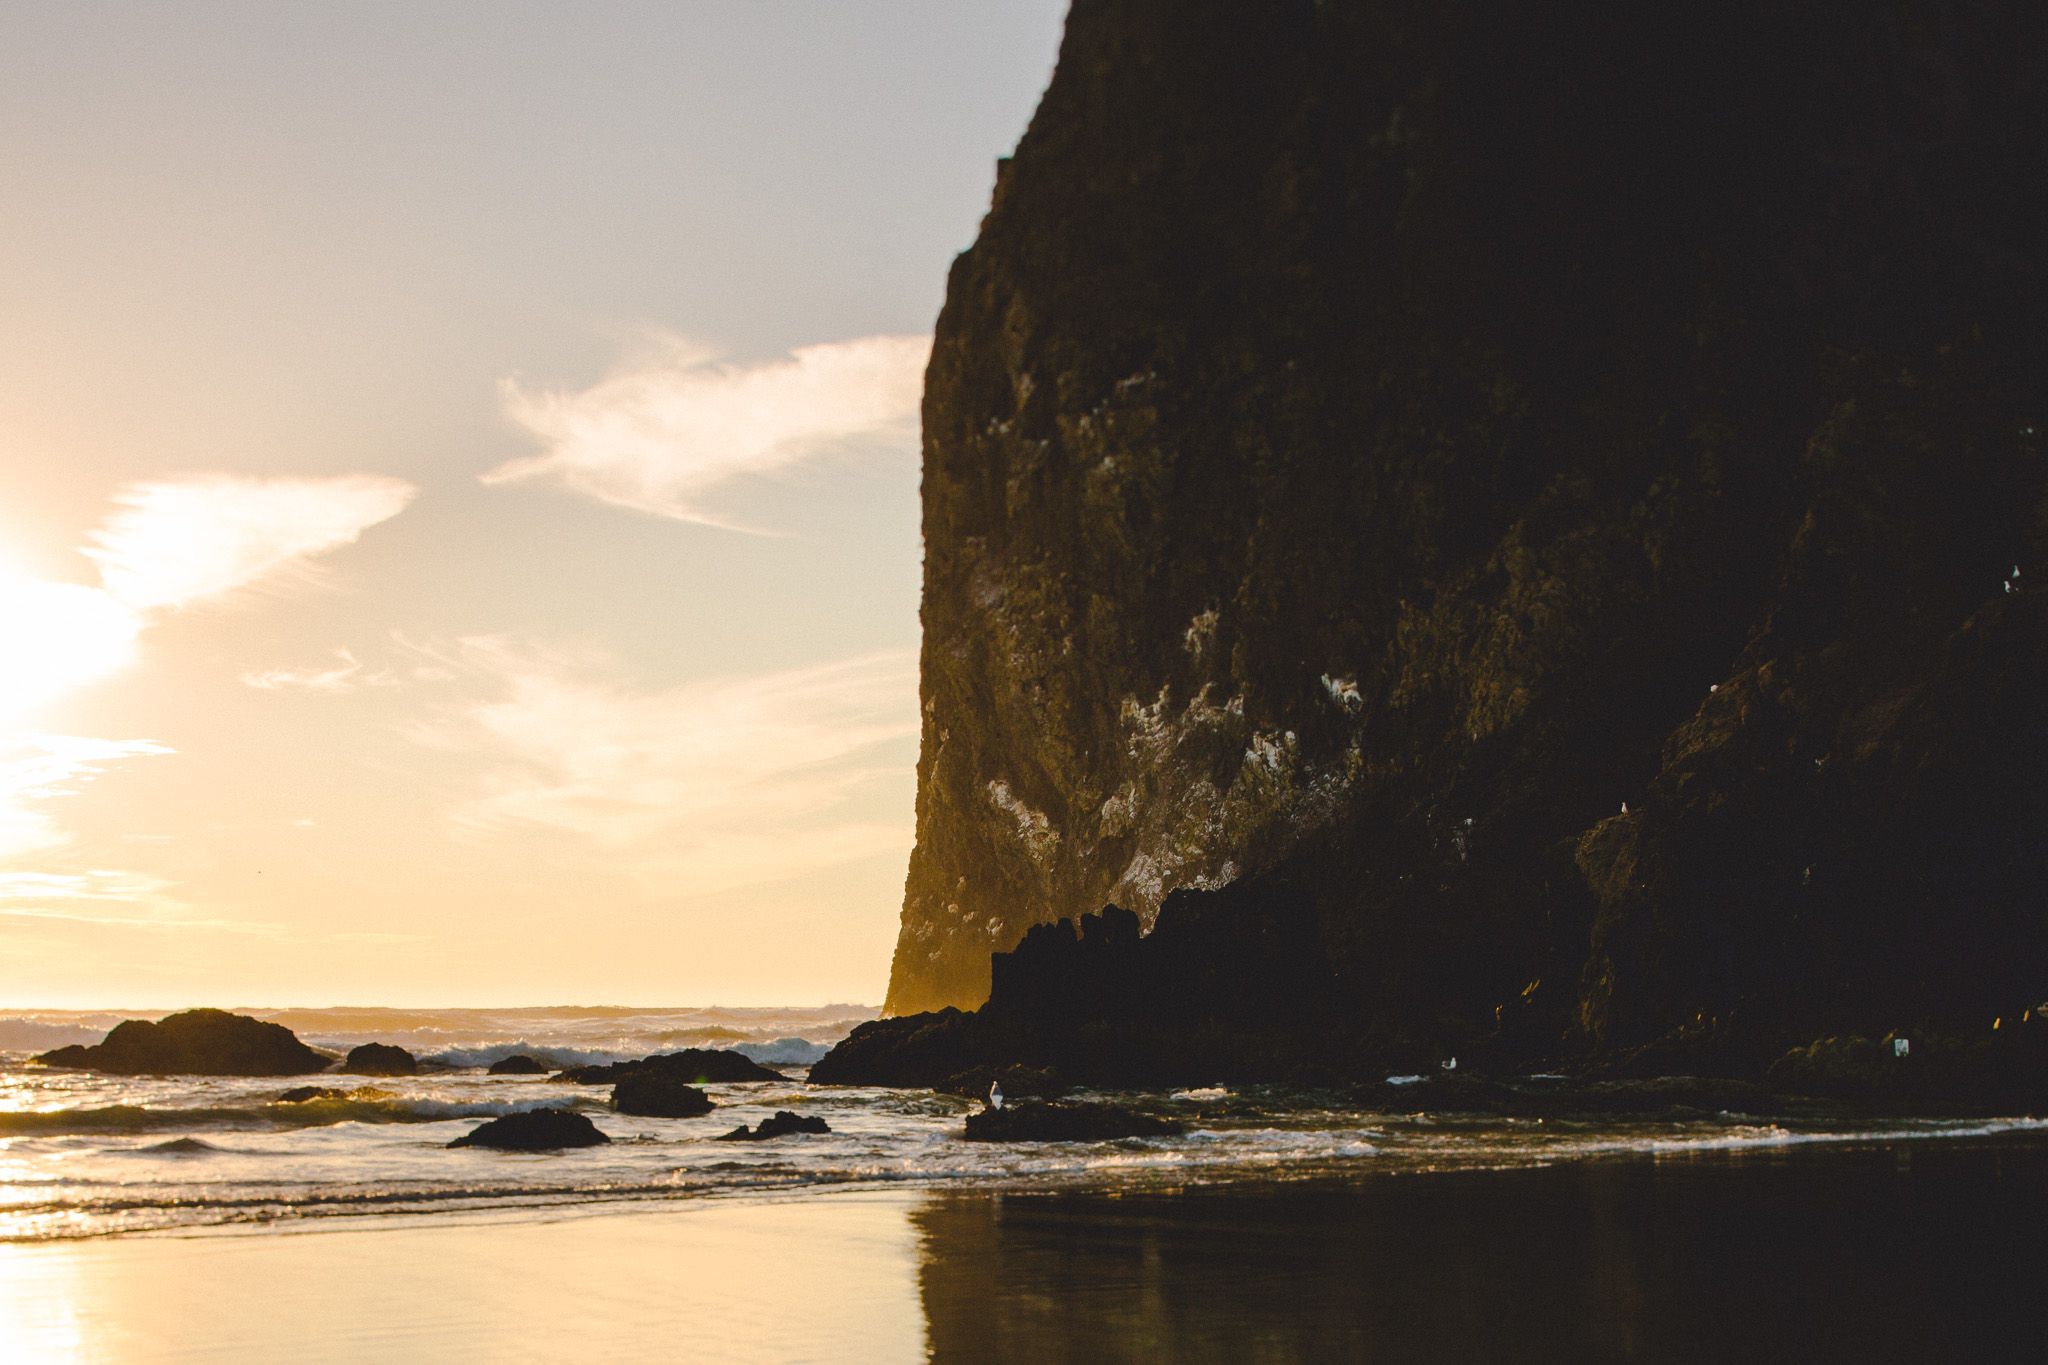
[
  {"x": 380, "y": 1059},
  {"x": 1061, "y": 1121},
  {"x": 781, "y": 1125},
  {"x": 182, "y": 1147},
  {"x": 519, "y": 1064},
  {"x": 299, "y": 1094},
  {"x": 659, "y": 1095},
  {"x": 535, "y": 1130}
]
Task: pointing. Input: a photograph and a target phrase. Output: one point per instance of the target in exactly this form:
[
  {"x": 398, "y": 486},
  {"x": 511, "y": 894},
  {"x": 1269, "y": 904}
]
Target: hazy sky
[{"x": 458, "y": 489}]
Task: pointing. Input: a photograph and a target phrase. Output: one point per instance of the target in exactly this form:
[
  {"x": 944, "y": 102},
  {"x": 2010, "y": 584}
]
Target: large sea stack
[{"x": 1550, "y": 497}]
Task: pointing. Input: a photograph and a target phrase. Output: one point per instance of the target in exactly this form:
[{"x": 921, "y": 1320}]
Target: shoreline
[{"x": 1839, "y": 1251}]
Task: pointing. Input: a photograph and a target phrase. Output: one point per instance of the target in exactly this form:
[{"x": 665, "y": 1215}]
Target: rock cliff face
[{"x": 1556, "y": 489}]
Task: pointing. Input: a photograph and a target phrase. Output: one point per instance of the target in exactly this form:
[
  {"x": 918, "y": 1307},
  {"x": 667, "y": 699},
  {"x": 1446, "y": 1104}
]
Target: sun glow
[{"x": 55, "y": 637}]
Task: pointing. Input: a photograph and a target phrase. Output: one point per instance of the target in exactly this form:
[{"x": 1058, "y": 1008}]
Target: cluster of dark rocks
[{"x": 1231, "y": 985}]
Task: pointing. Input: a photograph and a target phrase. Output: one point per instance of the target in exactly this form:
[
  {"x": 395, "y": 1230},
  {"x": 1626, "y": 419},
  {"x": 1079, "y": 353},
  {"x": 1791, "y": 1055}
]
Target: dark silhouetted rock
[
  {"x": 1556, "y": 489},
  {"x": 781, "y": 1125},
  {"x": 535, "y": 1130},
  {"x": 380, "y": 1059},
  {"x": 299, "y": 1094},
  {"x": 1065, "y": 1121},
  {"x": 695, "y": 1066},
  {"x": 196, "y": 1043},
  {"x": 1018, "y": 1082},
  {"x": 659, "y": 1095},
  {"x": 518, "y": 1064},
  {"x": 1992, "y": 1070},
  {"x": 1230, "y": 985}
]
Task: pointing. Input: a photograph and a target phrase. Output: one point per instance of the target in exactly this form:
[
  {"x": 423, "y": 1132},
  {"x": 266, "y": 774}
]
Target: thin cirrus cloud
[
  {"x": 36, "y": 768},
  {"x": 178, "y": 542},
  {"x": 666, "y": 434},
  {"x": 344, "y": 677},
  {"x": 171, "y": 544},
  {"x": 704, "y": 787}
]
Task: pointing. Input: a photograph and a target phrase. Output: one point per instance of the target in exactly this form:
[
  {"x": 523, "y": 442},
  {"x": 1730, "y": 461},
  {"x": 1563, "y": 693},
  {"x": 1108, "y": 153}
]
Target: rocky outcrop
[
  {"x": 518, "y": 1064},
  {"x": 1066, "y": 1121},
  {"x": 698, "y": 1066},
  {"x": 1556, "y": 492},
  {"x": 197, "y": 1043},
  {"x": 380, "y": 1059},
  {"x": 535, "y": 1130},
  {"x": 660, "y": 1095},
  {"x": 781, "y": 1124},
  {"x": 1230, "y": 985}
]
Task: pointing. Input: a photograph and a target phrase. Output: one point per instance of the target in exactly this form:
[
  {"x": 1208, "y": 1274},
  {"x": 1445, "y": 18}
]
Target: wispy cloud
[
  {"x": 178, "y": 541},
  {"x": 39, "y": 768},
  {"x": 710, "y": 785},
  {"x": 171, "y": 543},
  {"x": 664, "y": 434},
  {"x": 346, "y": 677}
]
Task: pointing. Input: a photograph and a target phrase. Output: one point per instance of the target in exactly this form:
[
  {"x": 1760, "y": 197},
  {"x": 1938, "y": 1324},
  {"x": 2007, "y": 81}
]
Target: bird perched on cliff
[{"x": 995, "y": 1094}]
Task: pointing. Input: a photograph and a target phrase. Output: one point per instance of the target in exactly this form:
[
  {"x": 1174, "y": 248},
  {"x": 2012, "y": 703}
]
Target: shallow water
[
  {"x": 85, "y": 1155},
  {"x": 1812, "y": 1252}
]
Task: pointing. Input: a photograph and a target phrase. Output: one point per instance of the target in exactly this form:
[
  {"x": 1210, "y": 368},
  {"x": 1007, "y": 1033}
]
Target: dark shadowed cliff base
[{"x": 1548, "y": 499}]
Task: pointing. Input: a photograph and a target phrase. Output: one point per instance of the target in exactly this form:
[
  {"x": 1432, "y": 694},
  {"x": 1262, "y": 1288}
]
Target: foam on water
[{"x": 86, "y": 1155}]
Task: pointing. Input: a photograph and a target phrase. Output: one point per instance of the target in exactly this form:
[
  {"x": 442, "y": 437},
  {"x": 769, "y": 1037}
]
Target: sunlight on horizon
[{"x": 461, "y": 531}]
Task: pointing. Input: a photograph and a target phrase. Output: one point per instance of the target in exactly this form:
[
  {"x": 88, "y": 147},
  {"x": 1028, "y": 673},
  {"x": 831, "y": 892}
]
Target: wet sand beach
[{"x": 1889, "y": 1251}]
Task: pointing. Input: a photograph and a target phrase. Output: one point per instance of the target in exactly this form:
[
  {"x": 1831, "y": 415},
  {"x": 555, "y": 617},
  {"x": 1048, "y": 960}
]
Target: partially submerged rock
[
  {"x": 1065, "y": 1121},
  {"x": 781, "y": 1125},
  {"x": 519, "y": 1064},
  {"x": 185, "y": 1146},
  {"x": 659, "y": 1095},
  {"x": 696, "y": 1066},
  {"x": 299, "y": 1094},
  {"x": 535, "y": 1130},
  {"x": 2003, "y": 1069},
  {"x": 201, "y": 1042},
  {"x": 1018, "y": 1082},
  {"x": 380, "y": 1059}
]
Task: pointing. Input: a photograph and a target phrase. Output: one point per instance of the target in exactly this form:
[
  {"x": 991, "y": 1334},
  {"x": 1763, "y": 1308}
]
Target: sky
[{"x": 458, "y": 489}]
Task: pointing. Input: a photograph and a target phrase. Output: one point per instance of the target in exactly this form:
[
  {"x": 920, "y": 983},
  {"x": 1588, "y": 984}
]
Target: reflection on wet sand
[{"x": 1913, "y": 1252}]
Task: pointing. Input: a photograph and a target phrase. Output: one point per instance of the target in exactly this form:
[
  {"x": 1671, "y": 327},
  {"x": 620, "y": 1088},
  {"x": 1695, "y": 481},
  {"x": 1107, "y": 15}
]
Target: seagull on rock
[{"x": 995, "y": 1094}]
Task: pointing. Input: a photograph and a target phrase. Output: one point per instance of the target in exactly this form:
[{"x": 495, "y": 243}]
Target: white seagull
[{"x": 995, "y": 1095}]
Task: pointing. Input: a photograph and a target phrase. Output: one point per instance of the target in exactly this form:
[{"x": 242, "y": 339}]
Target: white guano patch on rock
[{"x": 1041, "y": 841}]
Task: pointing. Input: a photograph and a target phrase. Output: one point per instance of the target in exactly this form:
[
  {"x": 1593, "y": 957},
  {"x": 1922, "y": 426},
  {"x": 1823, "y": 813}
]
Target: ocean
[
  {"x": 86, "y": 1155},
  {"x": 1322, "y": 1232}
]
